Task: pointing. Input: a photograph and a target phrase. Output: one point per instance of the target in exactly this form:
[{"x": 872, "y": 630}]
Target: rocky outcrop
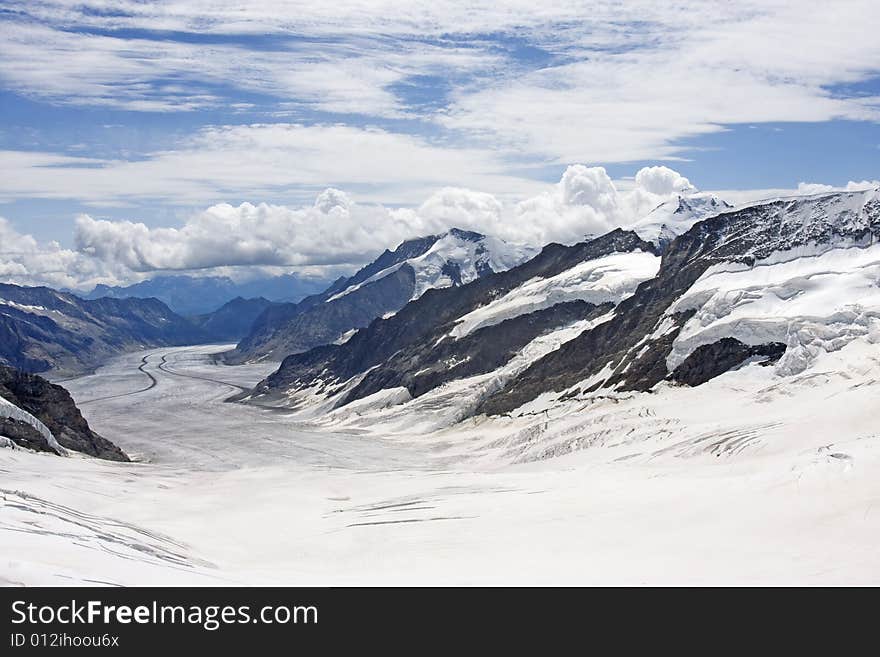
[
  {"x": 24, "y": 435},
  {"x": 430, "y": 363},
  {"x": 52, "y": 405},
  {"x": 710, "y": 360},
  {"x": 285, "y": 329}
]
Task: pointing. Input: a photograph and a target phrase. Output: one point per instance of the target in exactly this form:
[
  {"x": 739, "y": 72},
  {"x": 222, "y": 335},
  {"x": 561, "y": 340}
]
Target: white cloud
[
  {"x": 335, "y": 230},
  {"x": 349, "y": 17},
  {"x": 462, "y": 208},
  {"x": 662, "y": 180},
  {"x": 336, "y": 233},
  {"x": 25, "y": 261},
  {"x": 332, "y": 231},
  {"x": 701, "y": 68},
  {"x": 163, "y": 75},
  {"x": 272, "y": 161},
  {"x": 629, "y": 82},
  {"x": 851, "y": 186}
]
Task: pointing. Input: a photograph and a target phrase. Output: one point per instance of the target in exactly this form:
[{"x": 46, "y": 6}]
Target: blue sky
[{"x": 153, "y": 113}]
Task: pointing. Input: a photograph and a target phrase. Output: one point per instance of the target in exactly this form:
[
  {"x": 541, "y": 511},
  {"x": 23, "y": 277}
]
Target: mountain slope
[
  {"x": 40, "y": 415},
  {"x": 381, "y": 288},
  {"x": 777, "y": 284},
  {"x": 425, "y": 344},
  {"x": 689, "y": 304},
  {"x": 42, "y": 329}
]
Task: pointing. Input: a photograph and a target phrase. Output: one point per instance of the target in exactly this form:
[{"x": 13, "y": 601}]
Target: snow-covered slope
[
  {"x": 456, "y": 257},
  {"x": 394, "y": 410},
  {"x": 729, "y": 272},
  {"x": 610, "y": 278},
  {"x": 778, "y": 282},
  {"x": 473, "y": 329}
]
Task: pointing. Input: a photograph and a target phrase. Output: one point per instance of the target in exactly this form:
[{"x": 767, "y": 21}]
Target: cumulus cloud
[
  {"x": 587, "y": 202},
  {"x": 332, "y": 231},
  {"x": 333, "y": 200},
  {"x": 462, "y": 208},
  {"x": 851, "y": 186},
  {"x": 25, "y": 261},
  {"x": 336, "y": 231},
  {"x": 662, "y": 180}
]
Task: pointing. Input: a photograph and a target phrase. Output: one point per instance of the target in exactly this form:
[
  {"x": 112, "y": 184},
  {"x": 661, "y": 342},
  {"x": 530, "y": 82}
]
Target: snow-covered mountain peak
[
  {"x": 455, "y": 257},
  {"x": 676, "y": 216},
  {"x": 459, "y": 257}
]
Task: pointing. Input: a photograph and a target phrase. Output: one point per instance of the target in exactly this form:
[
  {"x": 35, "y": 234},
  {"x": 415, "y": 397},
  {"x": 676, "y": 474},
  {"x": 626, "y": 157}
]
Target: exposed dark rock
[
  {"x": 24, "y": 435},
  {"x": 54, "y": 407},
  {"x": 282, "y": 331},
  {"x": 424, "y": 366},
  {"x": 710, "y": 360}
]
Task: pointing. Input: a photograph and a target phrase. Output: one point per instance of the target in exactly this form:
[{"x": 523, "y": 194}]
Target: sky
[{"x": 221, "y": 137}]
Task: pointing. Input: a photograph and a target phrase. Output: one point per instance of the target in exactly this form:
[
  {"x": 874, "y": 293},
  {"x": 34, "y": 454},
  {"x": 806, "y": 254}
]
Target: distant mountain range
[
  {"x": 43, "y": 330},
  {"x": 232, "y": 320},
  {"x": 191, "y": 295}
]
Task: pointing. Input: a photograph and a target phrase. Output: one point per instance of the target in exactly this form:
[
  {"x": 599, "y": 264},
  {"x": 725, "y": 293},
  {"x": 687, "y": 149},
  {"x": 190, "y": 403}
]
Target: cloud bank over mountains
[{"x": 335, "y": 232}]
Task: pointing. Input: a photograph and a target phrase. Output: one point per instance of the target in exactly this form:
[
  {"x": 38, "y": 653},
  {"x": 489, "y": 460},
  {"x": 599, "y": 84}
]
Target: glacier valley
[{"x": 749, "y": 478}]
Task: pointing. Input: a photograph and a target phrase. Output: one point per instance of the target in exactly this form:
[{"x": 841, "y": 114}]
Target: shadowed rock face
[
  {"x": 710, "y": 360},
  {"x": 24, "y": 435},
  {"x": 54, "y": 407},
  {"x": 429, "y": 363},
  {"x": 286, "y": 330},
  {"x": 418, "y": 325},
  {"x": 290, "y": 328}
]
